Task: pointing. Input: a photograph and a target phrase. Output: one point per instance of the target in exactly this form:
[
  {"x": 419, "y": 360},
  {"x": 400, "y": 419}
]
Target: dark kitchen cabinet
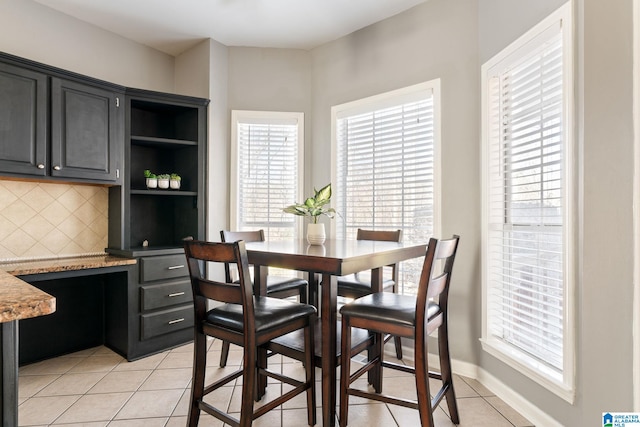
[
  {"x": 23, "y": 120},
  {"x": 58, "y": 125},
  {"x": 165, "y": 134},
  {"x": 84, "y": 131}
]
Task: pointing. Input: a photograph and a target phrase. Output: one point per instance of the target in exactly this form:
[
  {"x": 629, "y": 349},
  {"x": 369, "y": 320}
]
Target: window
[
  {"x": 527, "y": 199},
  {"x": 267, "y": 152},
  {"x": 385, "y": 160}
]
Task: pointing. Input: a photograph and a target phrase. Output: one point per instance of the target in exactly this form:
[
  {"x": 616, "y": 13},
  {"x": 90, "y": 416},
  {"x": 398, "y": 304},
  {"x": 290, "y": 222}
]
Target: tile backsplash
[{"x": 45, "y": 220}]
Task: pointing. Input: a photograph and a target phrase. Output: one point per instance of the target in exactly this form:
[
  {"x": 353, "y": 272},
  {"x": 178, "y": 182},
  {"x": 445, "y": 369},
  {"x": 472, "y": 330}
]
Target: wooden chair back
[
  {"x": 198, "y": 254},
  {"x": 435, "y": 280},
  {"x": 234, "y": 236},
  {"x": 382, "y": 236}
]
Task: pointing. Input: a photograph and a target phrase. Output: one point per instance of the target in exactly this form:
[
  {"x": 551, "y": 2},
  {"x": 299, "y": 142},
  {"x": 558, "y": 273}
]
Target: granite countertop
[
  {"x": 20, "y": 300},
  {"x": 23, "y": 268}
]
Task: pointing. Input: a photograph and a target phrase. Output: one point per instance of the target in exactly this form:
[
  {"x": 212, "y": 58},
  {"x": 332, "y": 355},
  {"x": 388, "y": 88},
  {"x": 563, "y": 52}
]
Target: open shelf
[
  {"x": 145, "y": 192},
  {"x": 155, "y": 141}
]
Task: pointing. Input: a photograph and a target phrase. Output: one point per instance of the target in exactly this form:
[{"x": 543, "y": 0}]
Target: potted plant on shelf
[
  {"x": 163, "y": 180},
  {"x": 174, "y": 181},
  {"x": 314, "y": 207},
  {"x": 150, "y": 179}
]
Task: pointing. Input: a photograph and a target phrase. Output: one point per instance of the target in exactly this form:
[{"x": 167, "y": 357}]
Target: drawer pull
[
  {"x": 176, "y": 294},
  {"x": 173, "y": 322},
  {"x": 175, "y": 267}
]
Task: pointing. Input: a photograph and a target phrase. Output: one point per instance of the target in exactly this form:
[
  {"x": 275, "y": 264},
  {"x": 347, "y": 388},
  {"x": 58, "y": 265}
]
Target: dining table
[{"x": 323, "y": 265}]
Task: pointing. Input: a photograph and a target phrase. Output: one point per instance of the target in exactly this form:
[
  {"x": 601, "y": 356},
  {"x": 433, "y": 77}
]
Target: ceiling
[{"x": 173, "y": 26}]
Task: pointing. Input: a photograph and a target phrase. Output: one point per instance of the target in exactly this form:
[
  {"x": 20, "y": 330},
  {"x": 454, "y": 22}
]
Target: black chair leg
[
  {"x": 422, "y": 383},
  {"x": 248, "y": 387},
  {"x": 224, "y": 355},
  {"x": 199, "y": 368},
  {"x": 446, "y": 372},
  {"x": 309, "y": 368},
  {"x": 398, "y": 343},
  {"x": 345, "y": 371}
]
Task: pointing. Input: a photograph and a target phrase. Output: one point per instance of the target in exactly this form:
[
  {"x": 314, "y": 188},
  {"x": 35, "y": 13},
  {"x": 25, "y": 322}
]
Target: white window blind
[
  {"x": 527, "y": 203},
  {"x": 268, "y": 172},
  {"x": 385, "y": 169}
]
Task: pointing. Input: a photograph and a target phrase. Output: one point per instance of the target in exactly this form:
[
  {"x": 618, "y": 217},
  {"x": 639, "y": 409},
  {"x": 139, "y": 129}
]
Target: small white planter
[
  {"x": 316, "y": 234},
  {"x": 174, "y": 184},
  {"x": 152, "y": 182},
  {"x": 163, "y": 183}
]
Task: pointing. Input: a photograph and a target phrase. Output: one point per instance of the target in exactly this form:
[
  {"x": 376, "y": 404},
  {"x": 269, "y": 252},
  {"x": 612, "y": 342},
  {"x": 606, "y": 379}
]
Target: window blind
[
  {"x": 267, "y": 176},
  {"x": 526, "y": 204},
  {"x": 385, "y": 172}
]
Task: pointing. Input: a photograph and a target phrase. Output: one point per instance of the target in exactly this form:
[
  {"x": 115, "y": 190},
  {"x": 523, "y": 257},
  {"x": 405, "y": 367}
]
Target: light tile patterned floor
[{"x": 98, "y": 388}]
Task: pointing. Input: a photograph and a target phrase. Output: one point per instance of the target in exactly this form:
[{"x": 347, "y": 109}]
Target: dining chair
[
  {"x": 246, "y": 320},
  {"x": 359, "y": 284},
  {"x": 277, "y": 286},
  {"x": 409, "y": 316}
]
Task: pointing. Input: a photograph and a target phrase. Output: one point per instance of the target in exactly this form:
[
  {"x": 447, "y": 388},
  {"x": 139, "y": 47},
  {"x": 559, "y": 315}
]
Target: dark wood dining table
[{"x": 326, "y": 262}]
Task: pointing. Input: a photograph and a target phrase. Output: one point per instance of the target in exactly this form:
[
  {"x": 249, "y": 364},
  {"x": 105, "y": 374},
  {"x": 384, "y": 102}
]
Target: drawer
[
  {"x": 165, "y": 294},
  {"x": 166, "y": 321},
  {"x": 163, "y": 267}
]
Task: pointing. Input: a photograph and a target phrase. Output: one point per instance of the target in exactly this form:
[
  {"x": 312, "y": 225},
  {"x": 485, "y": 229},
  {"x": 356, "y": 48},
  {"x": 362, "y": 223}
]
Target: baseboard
[
  {"x": 528, "y": 410},
  {"x": 531, "y": 412}
]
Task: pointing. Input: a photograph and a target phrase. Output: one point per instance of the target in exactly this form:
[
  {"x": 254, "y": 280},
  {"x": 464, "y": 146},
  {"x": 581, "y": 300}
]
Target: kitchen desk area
[{"x": 82, "y": 288}]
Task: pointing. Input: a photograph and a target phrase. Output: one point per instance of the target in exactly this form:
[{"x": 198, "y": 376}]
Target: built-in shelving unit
[{"x": 165, "y": 134}]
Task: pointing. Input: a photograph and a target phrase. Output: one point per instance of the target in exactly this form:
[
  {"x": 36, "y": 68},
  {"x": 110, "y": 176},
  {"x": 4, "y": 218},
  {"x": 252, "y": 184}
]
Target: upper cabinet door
[
  {"x": 84, "y": 127},
  {"x": 23, "y": 121}
]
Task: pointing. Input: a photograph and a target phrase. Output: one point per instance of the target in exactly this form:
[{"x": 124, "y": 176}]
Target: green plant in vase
[
  {"x": 163, "y": 180},
  {"x": 174, "y": 181},
  {"x": 150, "y": 179},
  {"x": 314, "y": 207}
]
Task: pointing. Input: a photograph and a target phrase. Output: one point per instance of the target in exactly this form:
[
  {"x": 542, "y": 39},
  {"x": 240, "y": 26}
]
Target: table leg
[
  {"x": 328, "y": 315},
  {"x": 260, "y": 288},
  {"x": 312, "y": 278},
  {"x": 375, "y": 375},
  {"x": 9, "y": 374}
]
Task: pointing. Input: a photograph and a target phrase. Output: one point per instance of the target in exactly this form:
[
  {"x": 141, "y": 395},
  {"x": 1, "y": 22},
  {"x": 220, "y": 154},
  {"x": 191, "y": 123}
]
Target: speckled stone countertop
[
  {"x": 20, "y": 300},
  {"x": 64, "y": 264}
]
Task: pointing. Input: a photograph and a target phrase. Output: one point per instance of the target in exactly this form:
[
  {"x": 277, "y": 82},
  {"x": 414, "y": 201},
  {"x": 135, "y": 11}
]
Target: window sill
[{"x": 531, "y": 368}]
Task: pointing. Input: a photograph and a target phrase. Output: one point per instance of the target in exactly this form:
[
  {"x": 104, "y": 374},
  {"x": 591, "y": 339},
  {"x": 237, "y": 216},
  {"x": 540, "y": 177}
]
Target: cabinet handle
[
  {"x": 173, "y": 322},
  {"x": 40, "y": 166},
  {"x": 175, "y": 267},
  {"x": 57, "y": 168},
  {"x": 176, "y": 294}
]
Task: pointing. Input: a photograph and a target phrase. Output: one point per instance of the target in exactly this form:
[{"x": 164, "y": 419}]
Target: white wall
[
  {"x": 606, "y": 291},
  {"x": 273, "y": 80},
  {"x": 402, "y": 51},
  {"x": 35, "y": 32}
]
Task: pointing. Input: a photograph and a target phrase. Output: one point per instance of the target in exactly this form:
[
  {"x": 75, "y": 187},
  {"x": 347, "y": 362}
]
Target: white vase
[
  {"x": 316, "y": 234},
  {"x": 152, "y": 183},
  {"x": 174, "y": 184},
  {"x": 316, "y": 250},
  {"x": 163, "y": 183}
]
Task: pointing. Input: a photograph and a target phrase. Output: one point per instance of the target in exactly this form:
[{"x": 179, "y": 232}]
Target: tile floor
[{"x": 97, "y": 387}]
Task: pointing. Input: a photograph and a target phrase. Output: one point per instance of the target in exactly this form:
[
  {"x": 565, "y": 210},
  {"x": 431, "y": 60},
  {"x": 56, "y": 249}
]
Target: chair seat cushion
[
  {"x": 269, "y": 313},
  {"x": 280, "y": 283},
  {"x": 388, "y": 307},
  {"x": 353, "y": 286}
]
